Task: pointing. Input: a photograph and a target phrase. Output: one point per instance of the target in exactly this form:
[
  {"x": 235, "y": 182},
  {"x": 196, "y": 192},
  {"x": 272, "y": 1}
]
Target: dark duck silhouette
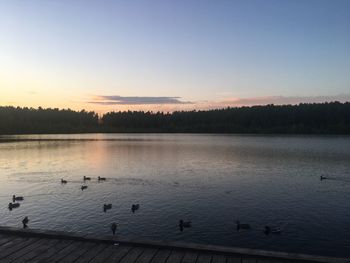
[
  {"x": 13, "y": 205},
  {"x": 17, "y": 198},
  {"x": 63, "y": 181},
  {"x": 183, "y": 224},
  {"x": 107, "y": 207},
  {"x": 135, "y": 207},
  {"x": 242, "y": 226},
  {"x": 267, "y": 230},
  {"x": 114, "y": 228},
  {"x": 85, "y": 178},
  {"x": 25, "y": 222},
  {"x": 323, "y": 177},
  {"x": 101, "y": 178},
  {"x": 83, "y": 187}
]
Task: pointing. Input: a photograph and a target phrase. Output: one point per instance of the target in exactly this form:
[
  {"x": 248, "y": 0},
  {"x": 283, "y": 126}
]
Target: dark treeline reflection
[{"x": 321, "y": 118}]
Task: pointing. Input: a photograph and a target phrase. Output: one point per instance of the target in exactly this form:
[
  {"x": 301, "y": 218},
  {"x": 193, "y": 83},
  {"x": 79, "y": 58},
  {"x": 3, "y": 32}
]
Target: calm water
[{"x": 212, "y": 180}]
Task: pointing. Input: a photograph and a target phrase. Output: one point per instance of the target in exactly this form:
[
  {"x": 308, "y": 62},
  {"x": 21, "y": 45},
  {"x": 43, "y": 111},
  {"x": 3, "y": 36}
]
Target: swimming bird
[
  {"x": 63, "y": 181},
  {"x": 242, "y": 226},
  {"x": 274, "y": 230},
  {"x": 86, "y": 178},
  {"x": 13, "y": 205},
  {"x": 25, "y": 222},
  {"x": 17, "y": 198},
  {"x": 107, "y": 207},
  {"x": 83, "y": 187},
  {"x": 135, "y": 207},
  {"x": 323, "y": 178},
  {"x": 183, "y": 224},
  {"x": 114, "y": 228},
  {"x": 101, "y": 178}
]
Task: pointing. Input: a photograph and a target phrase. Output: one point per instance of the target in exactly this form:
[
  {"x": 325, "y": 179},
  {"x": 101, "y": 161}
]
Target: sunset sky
[{"x": 171, "y": 55}]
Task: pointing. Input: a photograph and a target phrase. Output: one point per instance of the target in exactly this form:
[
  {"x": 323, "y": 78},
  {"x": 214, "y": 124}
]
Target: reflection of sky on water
[{"x": 212, "y": 180}]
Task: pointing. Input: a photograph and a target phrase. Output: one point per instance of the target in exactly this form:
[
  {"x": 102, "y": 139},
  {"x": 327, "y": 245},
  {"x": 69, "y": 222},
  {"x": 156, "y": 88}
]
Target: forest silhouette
[{"x": 305, "y": 118}]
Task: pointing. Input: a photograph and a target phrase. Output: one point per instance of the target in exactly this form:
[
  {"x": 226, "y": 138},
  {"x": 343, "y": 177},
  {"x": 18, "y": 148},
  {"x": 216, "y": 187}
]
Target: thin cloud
[
  {"x": 264, "y": 100},
  {"x": 120, "y": 100},
  {"x": 284, "y": 100},
  {"x": 171, "y": 104}
]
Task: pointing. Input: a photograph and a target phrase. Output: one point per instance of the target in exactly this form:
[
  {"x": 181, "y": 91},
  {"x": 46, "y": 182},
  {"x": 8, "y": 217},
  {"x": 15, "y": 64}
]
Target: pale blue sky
[{"x": 74, "y": 52}]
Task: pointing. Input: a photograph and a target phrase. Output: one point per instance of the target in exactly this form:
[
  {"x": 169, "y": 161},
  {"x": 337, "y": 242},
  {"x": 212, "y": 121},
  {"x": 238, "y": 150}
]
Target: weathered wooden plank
[
  {"x": 121, "y": 252},
  {"x": 176, "y": 256},
  {"x": 234, "y": 259},
  {"x": 161, "y": 256},
  {"x": 248, "y": 259},
  {"x": 14, "y": 247},
  {"x": 11, "y": 243},
  {"x": 35, "y": 242},
  {"x": 190, "y": 257},
  {"x": 56, "y": 248},
  {"x": 44, "y": 245},
  {"x": 218, "y": 259},
  {"x": 76, "y": 253},
  {"x": 65, "y": 252},
  {"x": 3, "y": 235},
  {"x": 204, "y": 258},
  {"x": 132, "y": 255},
  {"x": 266, "y": 260},
  {"x": 146, "y": 256},
  {"x": 273, "y": 260},
  {"x": 105, "y": 254},
  {"x": 6, "y": 238},
  {"x": 91, "y": 254},
  {"x": 28, "y": 246}
]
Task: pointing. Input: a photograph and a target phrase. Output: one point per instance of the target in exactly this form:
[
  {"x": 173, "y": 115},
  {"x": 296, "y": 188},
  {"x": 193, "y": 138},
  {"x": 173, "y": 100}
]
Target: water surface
[{"x": 212, "y": 180}]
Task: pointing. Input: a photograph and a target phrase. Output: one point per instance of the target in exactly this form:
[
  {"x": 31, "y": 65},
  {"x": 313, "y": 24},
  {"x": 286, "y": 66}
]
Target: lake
[{"x": 212, "y": 180}]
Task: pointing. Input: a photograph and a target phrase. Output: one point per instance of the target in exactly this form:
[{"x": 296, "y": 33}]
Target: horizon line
[{"x": 171, "y": 112}]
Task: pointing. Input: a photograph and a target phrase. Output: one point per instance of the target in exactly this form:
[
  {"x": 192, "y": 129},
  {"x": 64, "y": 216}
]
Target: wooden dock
[{"x": 19, "y": 245}]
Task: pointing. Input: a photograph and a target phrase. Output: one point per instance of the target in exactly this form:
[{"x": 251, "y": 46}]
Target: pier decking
[{"x": 18, "y": 245}]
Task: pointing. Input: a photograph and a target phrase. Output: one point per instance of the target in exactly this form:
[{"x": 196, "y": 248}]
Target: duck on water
[
  {"x": 114, "y": 228},
  {"x": 25, "y": 222},
  {"x": 13, "y": 205},
  {"x": 17, "y": 198},
  {"x": 135, "y": 207},
  {"x": 273, "y": 230},
  {"x": 242, "y": 226},
  {"x": 107, "y": 207},
  {"x": 184, "y": 224}
]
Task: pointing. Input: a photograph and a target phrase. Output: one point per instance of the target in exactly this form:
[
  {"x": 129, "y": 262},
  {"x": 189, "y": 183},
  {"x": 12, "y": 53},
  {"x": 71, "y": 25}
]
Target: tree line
[
  {"x": 305, "y": 118},
  {"x": 17, "y": 120}
]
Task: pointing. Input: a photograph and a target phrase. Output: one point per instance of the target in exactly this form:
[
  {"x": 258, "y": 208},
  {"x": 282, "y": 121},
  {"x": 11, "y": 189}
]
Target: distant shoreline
[
  {"x": 3, "y": 136},
  {"x": 329, "y": 118}
]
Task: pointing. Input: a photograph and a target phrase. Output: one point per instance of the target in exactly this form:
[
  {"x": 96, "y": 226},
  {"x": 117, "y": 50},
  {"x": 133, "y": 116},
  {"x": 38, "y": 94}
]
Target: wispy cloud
[
  {"x": 170, "y": 104},
  {"x": 283, "y": 100},
  {"x": 264, "y": 100},
  {"x": 121, "y": 100}
]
